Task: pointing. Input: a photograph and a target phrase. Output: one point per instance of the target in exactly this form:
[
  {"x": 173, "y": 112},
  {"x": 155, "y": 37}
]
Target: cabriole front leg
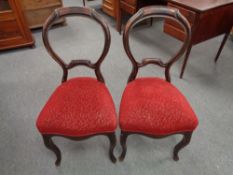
[
  {"x": 184, "y": 142},
  {"x": 51, "y": 146},
  {"x": 123, "y": 139},
  {"x": 112, "y": 139}
]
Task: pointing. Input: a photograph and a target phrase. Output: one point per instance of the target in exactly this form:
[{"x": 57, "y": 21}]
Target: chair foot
[
  {"x": 184, "y": 142},
  {"x": 51, "y": 146},
  {"x": 112, "y": 139},
  {"x": 123, "y": 139}
]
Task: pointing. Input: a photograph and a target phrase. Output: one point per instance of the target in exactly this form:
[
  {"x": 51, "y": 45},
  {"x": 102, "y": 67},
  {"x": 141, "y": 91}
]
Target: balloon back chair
[
  {"x": 80, "y": 107},
  {"x": 150, "y": 106}
]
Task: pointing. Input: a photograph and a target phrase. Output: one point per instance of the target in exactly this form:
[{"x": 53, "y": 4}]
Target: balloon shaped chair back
[
  {"x": 80, "y": 107},
  {"x": 152, "y": 106}
]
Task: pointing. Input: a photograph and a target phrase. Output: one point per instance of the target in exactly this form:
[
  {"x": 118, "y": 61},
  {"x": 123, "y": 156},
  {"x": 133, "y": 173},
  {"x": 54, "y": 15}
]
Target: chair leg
[
  {"x": 112, "y": 139},
  {"x": 221, "y": 46},
  {"x": 84, "y": 3},
  {"x": 184, "y": 142},
  {"x": 51, "y": 146},
  {"x": 123, "y": 139}
]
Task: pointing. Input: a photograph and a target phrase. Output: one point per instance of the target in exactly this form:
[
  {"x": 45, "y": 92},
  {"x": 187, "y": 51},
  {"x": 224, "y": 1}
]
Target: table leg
[
  {"x": 186, "y": 59},
  {"x": 221, "y": 46},
  {"x": 118, "y": 16}
]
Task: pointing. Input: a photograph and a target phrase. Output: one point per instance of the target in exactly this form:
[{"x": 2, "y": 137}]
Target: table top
[{"x": 202, "y": 5}]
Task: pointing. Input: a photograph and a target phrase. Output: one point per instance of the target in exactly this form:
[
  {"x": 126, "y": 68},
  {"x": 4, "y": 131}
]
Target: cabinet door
[{"x": 14, "y": 31}]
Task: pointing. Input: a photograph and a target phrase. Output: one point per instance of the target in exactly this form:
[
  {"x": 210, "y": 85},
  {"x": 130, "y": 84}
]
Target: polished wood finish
[
  {"x": 146, "y": 13},
  {"x": 184, "y": 142},
  {"x": 143, "y": 14},
  {"x": 14, "y": 31},
  {"x": 131, "y": 7},
  {"x": 37, "y": 11},
  {"x": 208, "y": 19},
  {"x": 48, "y": 142},
  {"x": 109, "y": 7},
  {"x": 201, "y": 6},
  {"x": 89, "y": 13}
]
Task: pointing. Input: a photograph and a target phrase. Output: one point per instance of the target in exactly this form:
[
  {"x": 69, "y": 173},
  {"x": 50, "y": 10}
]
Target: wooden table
[{"x": 208, "y": 19}]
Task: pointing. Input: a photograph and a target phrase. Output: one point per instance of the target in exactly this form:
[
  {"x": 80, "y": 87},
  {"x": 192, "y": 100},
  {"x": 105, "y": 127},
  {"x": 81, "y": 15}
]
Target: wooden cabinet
[
  {"x": 109, "y": 7},
  {"x": 14, "y": 31},
  {"x": 37, "y": 11}
]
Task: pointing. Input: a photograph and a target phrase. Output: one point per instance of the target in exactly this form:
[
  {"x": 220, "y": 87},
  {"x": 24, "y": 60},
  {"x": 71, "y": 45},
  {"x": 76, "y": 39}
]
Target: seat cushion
[
  {"x": 154, "y": 106},
  {"x": 78, "y": 107}
]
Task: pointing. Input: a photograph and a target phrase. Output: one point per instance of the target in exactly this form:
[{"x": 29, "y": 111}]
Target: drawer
[
  {"x": 36, "y": 18},
  {"x": 130, "y": 2},
  {"x": 108, "y": 9},
  {"x": 128, "y": 8},
  {"x": 108, "y": 2},
  {"x": 175, "y": 24},
  {"x": 37, "y": 4},
  {"x": 172, "y": 31},
  {"x": 190, "y": 15}
]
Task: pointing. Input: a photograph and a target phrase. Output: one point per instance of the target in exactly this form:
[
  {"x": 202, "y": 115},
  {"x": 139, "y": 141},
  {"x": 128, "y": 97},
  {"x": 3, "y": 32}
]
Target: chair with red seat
[
  {"x": 150, "y": 106},
  {"x": 80, "y": 107}
]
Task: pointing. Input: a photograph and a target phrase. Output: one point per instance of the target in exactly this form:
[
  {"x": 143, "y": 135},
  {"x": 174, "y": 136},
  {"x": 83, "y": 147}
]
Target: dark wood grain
[
  {"x": 184, "y": 142},
  {"x": 201, "y": 6},
  {"x": 131, "y": 7},
  {"x": 146, "y": 13},
  {"x": 208, "y": 19},
  {"x": 47, "y": 138},
  {"x": 89, "y": 13},
  {"x": 143, "y": 14},
  {"x": 77, "y": 11}
]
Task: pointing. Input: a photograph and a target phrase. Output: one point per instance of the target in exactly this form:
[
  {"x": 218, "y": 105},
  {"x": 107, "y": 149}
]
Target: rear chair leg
[
  {"x": 112, "y": 139},
  {"x": 184, "y": 142},
  {"x": 123, "y": 139},
  {"x": 50, "y": 145}
]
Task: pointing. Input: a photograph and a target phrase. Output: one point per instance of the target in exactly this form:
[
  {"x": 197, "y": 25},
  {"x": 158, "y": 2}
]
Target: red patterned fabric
[
  {"x": 154, "y": 106},
  {"x": 78, "y": 107}
]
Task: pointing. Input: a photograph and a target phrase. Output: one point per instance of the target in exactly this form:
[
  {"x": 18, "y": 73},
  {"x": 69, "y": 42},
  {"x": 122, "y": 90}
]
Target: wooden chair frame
[
  {"x": 89, "y": 13},
  {"x": 143, "y": 14}
]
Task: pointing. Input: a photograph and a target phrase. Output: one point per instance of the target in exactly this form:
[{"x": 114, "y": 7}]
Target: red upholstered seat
[
  {"x": 154, "y": 106},
  {"x": 78, "y": 107}
]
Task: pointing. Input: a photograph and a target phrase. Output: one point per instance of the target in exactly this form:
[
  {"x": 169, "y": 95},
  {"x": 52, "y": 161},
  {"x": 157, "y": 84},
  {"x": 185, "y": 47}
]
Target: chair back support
[
  {"x": 77, "y": 11},
  {"x": 149, "y": 12}
]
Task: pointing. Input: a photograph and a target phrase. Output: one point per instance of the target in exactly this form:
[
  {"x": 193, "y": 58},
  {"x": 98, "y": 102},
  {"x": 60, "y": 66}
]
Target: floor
[{"x": 28, "y": 76}]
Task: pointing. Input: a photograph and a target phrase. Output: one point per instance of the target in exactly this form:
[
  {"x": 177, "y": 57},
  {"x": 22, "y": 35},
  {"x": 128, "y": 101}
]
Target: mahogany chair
[
  {"x": 151, "y": 106},
  {"x": 80, "y": 107}
]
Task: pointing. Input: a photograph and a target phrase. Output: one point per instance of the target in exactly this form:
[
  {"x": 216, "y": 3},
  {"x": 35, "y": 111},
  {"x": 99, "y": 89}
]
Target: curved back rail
[
  {"x": 149, "y": 12},
  {"x": 77, "y": 11}
]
